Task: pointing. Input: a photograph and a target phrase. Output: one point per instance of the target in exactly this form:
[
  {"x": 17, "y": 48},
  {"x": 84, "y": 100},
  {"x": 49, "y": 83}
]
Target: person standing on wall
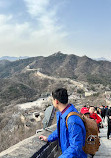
[
  {"x": 71, "y": 139},
  {"x": 109, "y": 122},
  {"x": 95, "y": 116}
]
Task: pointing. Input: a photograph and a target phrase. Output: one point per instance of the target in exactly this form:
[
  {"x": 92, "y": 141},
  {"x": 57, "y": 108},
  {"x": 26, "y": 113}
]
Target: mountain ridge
[{"x": 18, "y": 79}]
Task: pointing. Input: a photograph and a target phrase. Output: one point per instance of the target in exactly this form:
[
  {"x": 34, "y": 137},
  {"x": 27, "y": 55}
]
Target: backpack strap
[{"x": 70, "y": 114}]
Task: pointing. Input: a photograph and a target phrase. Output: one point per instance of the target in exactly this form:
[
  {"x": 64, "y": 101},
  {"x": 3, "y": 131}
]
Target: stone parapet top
[{"x": 28, "y": 147}]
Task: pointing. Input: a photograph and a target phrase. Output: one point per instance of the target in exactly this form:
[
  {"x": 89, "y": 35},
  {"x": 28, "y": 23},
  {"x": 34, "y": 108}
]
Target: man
[
  {"x": 84, "y": 111},
  {"x": 71, "y": 139},
  {"x": 109, "y": 122},
  {"x": 103, "y": 112}
]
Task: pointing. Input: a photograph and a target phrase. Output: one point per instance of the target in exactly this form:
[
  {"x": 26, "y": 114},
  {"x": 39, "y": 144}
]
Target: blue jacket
[{"x": 71, "y": 140}]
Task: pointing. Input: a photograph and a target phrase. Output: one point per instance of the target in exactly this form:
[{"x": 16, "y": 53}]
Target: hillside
[
  {"x": 61, "y": 65},
  {"x": 19, "y": 82}
]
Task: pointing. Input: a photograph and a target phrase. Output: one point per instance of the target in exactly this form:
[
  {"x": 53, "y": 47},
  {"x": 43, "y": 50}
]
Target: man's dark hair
[
  {"x": 61, "y": 95},
  {"x": 92, "y": 106}
]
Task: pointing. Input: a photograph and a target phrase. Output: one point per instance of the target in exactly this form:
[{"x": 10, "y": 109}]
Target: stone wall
[
  {"x": 33, "y": 147},
  {"x": 50, "y": 150}
]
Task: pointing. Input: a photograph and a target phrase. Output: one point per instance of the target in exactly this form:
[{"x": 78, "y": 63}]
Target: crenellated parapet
[{"x": 33, "y": 147}]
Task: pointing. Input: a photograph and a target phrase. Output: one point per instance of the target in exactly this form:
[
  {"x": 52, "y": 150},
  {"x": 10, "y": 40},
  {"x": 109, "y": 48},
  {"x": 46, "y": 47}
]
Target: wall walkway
[{"x": 105, "y": 148}]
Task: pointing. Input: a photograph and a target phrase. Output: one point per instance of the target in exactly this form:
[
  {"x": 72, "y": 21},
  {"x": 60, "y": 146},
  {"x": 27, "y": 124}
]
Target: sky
[{"x": 44, "y": 27}]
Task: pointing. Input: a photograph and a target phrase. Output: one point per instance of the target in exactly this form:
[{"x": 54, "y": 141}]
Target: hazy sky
[{"x": 43, "y": 27}]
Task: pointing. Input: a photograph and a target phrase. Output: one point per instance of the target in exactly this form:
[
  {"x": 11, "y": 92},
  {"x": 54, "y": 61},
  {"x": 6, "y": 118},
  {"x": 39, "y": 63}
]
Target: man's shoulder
[{"x": 75, "y": 119}]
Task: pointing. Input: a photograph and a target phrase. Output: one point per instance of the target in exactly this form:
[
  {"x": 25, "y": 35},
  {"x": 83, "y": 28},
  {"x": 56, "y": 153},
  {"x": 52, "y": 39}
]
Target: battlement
[{"x": 33, "y": 147}]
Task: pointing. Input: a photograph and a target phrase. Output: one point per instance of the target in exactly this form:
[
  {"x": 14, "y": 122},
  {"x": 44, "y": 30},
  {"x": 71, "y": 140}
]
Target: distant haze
[{"x": 12, "y": 58}]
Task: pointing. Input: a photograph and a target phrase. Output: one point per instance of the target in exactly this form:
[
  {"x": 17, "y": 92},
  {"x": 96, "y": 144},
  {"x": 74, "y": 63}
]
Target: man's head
[
  {"x": 91, "y": 109},
  {"x": 60, "y": 96},
  {"x": 85, "y": 111}
]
